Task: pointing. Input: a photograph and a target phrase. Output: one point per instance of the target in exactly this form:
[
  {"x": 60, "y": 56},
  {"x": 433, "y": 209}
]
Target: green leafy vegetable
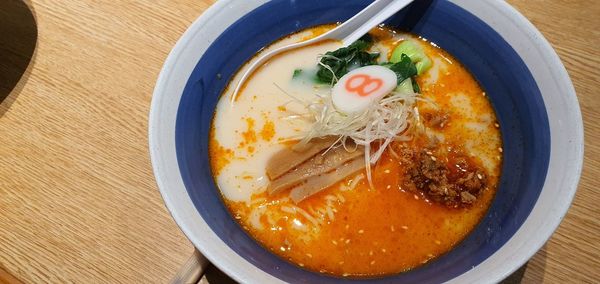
[
  {"x": 297, "y": 72},
  {"x": 404, "y": 68},
  {"x": 335, "y": 64},
  {"x": 406, "y": 86},
  {"x": 415, "y": 86},
  {"x": 416, "y": 54},
  {"x": 386, "y": 64}
]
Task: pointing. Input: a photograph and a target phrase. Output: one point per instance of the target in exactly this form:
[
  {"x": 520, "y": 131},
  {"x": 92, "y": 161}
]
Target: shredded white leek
[{"x": 383, "y": 122}]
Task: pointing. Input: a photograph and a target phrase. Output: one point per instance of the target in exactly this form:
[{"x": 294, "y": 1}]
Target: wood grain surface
[{"x": 78, "y": 201}]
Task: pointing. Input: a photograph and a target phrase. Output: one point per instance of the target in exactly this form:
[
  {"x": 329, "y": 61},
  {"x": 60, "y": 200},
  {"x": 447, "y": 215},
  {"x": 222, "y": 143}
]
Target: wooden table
[{"x": 78, "y": 201}]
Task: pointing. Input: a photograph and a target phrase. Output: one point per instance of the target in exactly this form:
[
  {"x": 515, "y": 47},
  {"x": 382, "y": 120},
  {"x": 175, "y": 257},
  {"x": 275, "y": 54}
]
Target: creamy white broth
[{"x": 264, "y": 100}]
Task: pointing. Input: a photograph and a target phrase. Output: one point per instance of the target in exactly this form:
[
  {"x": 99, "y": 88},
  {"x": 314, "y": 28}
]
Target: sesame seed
[
  {"x": 370, "y": 252},
  {"x": 309, "y": 255},
  {"x": 301, "y": 264},
  {"x": 341, "y": 262},
  {"x": 437, "y": 242},
  {"x": 361, "y": 231},
  {"x": 372, "y": 262},
  {"x": 392, "y": 228},
  {"x": 429, "y": 255},
  {"x": 428, "y": 153},
  {"x": 334, "y": 242},
  {"x": 500, "y": 150},
  {"x": 483, "y": 93},
  {"x": 347, "y": 241},
  {"x": 433, "y": 158},
  {"x": 387, "y": 171},
  {"x": 415, "y": 196},
  {"x": 383, "y": 250},
  {"x": 388, "y": 186},
  {"x": 404, "y": 227},
  {"x": 479, "y": 176},
  {"x": 496, "y": 125},
  {"x": 345, "y": 274},
  {"x": 347, "y": 227}
]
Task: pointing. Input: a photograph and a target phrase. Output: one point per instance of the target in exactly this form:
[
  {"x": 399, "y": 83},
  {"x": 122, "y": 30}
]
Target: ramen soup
[{"x": 361, "y": 161}]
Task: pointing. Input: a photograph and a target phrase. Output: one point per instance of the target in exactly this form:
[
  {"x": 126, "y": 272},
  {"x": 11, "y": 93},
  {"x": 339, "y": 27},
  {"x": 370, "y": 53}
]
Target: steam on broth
[{"x": 359, "y": 186}]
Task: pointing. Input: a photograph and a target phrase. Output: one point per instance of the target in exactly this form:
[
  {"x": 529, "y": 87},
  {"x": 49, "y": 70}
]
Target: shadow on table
[
  {"x": 18, "y": 39},
  {"x": 215, "y": 276}
]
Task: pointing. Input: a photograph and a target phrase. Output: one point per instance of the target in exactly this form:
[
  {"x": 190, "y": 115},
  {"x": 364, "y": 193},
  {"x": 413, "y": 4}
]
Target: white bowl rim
[{"x": 566, "y": 127}]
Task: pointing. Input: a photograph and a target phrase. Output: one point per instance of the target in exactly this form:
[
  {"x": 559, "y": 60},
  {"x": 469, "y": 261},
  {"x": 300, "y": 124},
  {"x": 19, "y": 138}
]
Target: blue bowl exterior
[{"x": 498, "y": 68}]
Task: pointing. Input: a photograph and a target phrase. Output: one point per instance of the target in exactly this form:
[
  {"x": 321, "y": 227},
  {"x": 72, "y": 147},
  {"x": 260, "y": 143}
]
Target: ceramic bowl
[{"x": 527, "y": 84}]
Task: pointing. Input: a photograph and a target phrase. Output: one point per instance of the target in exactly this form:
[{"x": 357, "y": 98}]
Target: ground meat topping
[
  {"x": 455, "y": 180},
  {"x": 436, "y": 119}
]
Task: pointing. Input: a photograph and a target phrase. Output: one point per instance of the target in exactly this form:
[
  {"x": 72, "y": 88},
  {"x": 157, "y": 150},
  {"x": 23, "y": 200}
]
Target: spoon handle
[
  {"x": 361, "y": 23},
  {"x": 357, "y": 26}
]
